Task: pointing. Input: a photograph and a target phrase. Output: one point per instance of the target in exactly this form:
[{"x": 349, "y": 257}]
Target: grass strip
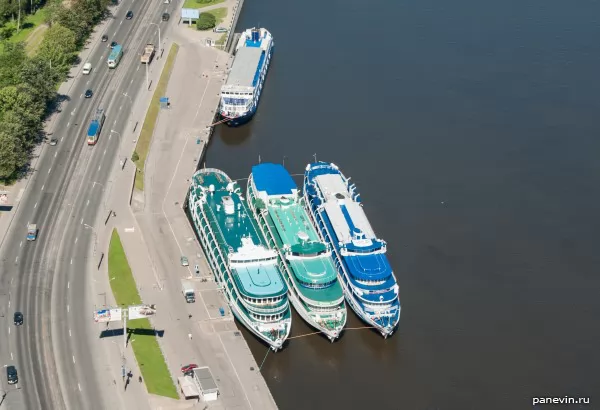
[
  {"x": 143, "y": 144},
  {"x": 143, "y": 339},
  {"x": 195, "y": 4},
  {"x": 219, "y": 14}
]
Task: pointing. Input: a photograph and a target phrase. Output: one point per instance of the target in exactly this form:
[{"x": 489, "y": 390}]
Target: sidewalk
[{"x": 158, "y": 233}]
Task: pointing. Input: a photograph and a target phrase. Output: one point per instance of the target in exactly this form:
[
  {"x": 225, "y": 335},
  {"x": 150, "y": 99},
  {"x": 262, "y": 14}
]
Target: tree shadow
[
  {"x": 131, "y": 332},
  {"x": 26, "y": 25}
]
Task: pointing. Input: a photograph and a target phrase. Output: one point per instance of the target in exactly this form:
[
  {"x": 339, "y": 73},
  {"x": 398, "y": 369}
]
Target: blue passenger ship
[
  {"x": 243, "y": 265},
  {"x": 241, "y": 91},
  {"x": 363, "y": 268}
]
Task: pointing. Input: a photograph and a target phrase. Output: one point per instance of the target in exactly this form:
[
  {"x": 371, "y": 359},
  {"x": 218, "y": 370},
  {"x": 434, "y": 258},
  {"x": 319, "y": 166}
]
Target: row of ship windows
[
  {"x": 317, "y": 285},
  {"x": 267, "y": 318},
  {"x": 232, "y": 93},
  {"x": 370, "y": 282},
  {"x": 235, "y": 101},
  {"x": 265, "y": 301}
]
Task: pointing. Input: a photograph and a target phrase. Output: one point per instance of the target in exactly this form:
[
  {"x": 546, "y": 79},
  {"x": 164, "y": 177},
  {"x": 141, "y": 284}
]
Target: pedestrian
[
  {"x": 190, "y": 316},
  {"x": 140, "y": 379},
  {"x": 190, "y": 336}
]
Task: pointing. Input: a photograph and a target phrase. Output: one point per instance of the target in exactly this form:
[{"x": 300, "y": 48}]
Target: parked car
[
  {"x": 166, "y": 16},
  {"x": 11, "y": 375},
  {"x": 113, "y": 44},
  {"x": 18, "y": 318},
  {"x": 220, "y": 30},
  {"x": 129, "y": 15},
  {"x": 104, "y": 38},
  {"x": 184, "y": 261},
  {"x": 88, "y": 93},
  {"x": 189, "y": 369}
]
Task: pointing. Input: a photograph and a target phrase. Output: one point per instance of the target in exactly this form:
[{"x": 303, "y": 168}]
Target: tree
[
  {"x": 41, "y": 77},
  {"x": 206, "y": 21},
  {"x": 58, "y": 46},
  {"x": 11, "y": 61},
  {"x": 13, "y": 155},
  {"x": 135, "y": 157}
]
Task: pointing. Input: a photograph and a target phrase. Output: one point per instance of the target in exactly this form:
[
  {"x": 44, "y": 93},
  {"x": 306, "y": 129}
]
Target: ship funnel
[
  {"x": 211, "y": 189},
  {"x": 255, "y": 35},
  {"x": 230, "y": 187}
]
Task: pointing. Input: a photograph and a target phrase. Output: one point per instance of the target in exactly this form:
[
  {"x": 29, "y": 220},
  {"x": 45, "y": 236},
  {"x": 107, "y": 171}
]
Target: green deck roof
[
  {"x": 254, "y": 280},
  {"x": 233, "y": 227},
  {"x": 295, "y": 229}
]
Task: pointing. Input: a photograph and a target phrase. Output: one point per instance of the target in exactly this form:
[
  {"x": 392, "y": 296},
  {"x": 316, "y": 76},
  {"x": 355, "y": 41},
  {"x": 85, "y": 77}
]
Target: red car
[{"x": 189, "y": 368}]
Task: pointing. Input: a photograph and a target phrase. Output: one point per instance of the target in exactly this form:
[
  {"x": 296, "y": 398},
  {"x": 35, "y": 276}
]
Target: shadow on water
[{"x": 234, "y": 136}]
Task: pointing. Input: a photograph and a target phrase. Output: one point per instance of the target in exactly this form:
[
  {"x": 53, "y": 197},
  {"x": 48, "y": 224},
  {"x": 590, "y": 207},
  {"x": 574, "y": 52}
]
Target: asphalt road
[{"x": 48, "y": 280}]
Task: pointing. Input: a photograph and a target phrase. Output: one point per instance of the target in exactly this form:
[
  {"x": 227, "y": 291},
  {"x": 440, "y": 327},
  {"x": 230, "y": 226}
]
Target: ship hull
[
  {"x": 384, "y": 320},
  {"x": 249, "y": 115},
  {"x": 218, "y": 263},
  {"x": 293, "y": 294}
]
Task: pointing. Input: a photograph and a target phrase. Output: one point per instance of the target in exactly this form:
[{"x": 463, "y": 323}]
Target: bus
[
  {"x": 95, "y": 127},
  {"x": 115, "y": 56}
]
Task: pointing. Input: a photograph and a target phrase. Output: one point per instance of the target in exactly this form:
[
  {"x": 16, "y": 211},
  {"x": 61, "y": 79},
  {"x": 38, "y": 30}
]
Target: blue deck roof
[{"x": 273, "y": 178}]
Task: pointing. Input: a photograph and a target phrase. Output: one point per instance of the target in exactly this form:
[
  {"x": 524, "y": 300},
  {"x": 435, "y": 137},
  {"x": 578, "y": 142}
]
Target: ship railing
[
  {"x": 216, "y": 246},
  {"x": 218, "y": 228},
  {"x": 260, "y": 216}
]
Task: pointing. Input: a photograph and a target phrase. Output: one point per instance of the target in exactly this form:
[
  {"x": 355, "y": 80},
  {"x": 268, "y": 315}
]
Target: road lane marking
[
  {"x": 16, "y": 259},
  {"x": 99, "y": 167},
  {"x": 76, "y": 239},
  {"x": 104, "y": 152},
  {"x": 11, "y": 356},
  {"x": 68, "y": 308},
  {"x": 88, "y": 202},
  {"x": 55, "y": 154},
  {"x": 120, "y": 107},
  {"x": 73, "y": 359},
  {"x": 9, "y": 303},
  {"x": 79, "y": 385},
  {"x": 43, "y": 186},
  {"x": 71, "y": 261},
  {"x": 114, "y": 123},
  {"x": 9, "y": 330},
  {"x": 73, "y": 112},
  {"x": 81, "y": 222},
  {"x": 69, "y": 332},
  {"x": 68, "y": 124},
  {"x": 35, "y": 206},
  {"x": 49, "y": 169},
  {"x": 68, "y": 285},
  {"x": 21, "y": 244}
]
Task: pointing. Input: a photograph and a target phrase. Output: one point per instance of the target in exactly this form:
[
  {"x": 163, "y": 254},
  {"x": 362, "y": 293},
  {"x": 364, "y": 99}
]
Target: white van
[{"x": 87, "y": 68}]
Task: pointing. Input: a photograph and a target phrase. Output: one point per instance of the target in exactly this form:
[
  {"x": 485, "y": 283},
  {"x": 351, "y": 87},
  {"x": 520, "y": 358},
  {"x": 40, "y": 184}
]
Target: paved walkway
[{"x": 155, "y": 233}]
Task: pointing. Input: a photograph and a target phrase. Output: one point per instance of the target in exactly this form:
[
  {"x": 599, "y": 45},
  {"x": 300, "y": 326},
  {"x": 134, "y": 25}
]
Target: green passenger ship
[
  {"x": 305, "y": 261},
  {"x": 243, "y": 265}
]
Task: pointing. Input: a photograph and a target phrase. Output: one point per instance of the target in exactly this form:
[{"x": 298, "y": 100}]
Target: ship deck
[
  {"x": 245, "y": 65},
  {"x": 254, "y": 280}
]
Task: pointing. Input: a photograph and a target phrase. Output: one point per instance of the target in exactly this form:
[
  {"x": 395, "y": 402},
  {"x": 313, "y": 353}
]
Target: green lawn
[
  {"x": 143, "y": 341},
  {"x": 219, "y": 14},
  {"x": 194, "y": 4},
  {"x": 221, "y": 40},
  {"x": 29, "y": 24},
  {"x": 143, "y": 145}
]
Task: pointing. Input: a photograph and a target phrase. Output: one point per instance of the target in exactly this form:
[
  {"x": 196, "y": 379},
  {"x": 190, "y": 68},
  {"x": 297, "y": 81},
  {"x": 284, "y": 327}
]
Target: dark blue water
[{"x": 472, "y": 131}]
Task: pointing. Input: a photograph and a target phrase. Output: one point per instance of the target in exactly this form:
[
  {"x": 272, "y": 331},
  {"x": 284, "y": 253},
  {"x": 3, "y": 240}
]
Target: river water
[{"x": 471, "y": 130}]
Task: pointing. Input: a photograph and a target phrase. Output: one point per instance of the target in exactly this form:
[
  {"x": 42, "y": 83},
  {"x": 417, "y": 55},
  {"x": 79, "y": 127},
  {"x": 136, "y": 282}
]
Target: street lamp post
[
  {"x": 159, "y": 43},
  {"x": 131, "y": 101}
]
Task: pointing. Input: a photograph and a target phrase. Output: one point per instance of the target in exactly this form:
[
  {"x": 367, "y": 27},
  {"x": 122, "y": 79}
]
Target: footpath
[{"x": 155, "y": 233}]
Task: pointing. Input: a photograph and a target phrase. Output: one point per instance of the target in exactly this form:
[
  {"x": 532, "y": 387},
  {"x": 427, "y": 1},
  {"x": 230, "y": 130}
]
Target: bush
[
  {"x": 204, "y": 1},
  {"x": 135, "y": 157},
  {"x": 206, "y": 21}
]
